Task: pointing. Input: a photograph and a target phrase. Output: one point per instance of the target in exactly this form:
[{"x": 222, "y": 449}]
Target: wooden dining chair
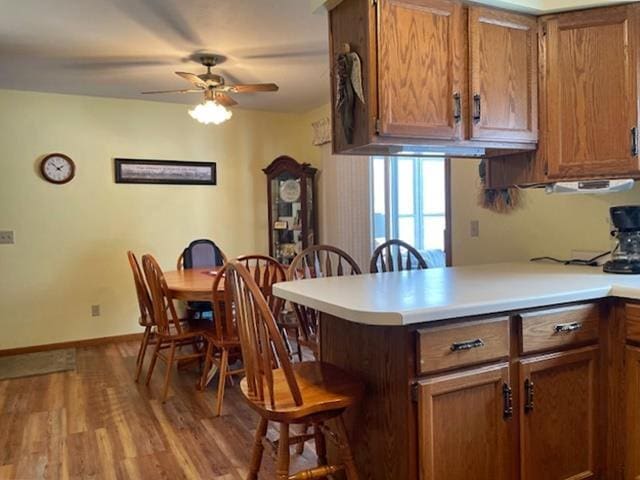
[
  {"x": 405, "y": 257},
  {"x": 223, "y": 347},
  {"x": 317, "y": 261},
  {"x": 145, "y": 320},
  {"x": 289, "y": 393},
  {"x": 172, "y": 333}
]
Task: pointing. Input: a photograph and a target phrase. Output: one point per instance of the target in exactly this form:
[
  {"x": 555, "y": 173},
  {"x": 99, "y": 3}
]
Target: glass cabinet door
[
  {"x": 286, "y": 213},
  {"x": 291, "y": 208}
]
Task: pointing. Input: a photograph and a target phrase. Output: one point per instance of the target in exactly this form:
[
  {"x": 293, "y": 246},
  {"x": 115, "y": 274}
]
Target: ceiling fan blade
[
  {"x": 225, "y": 100},
  {"x": 193, "y": 78},
  {"x": 187, "y": 90},
  {"x": 256, "y": 87}
]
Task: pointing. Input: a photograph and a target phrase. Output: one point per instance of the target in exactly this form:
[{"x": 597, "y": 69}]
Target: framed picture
[{"x": 167, "y": 172}]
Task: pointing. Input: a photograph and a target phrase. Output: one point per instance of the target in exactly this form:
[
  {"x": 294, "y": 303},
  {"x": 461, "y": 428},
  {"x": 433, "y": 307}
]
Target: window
[{"x": 410, "y": 203}]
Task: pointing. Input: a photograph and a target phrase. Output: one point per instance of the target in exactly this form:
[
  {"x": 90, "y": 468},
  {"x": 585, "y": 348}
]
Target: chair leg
[
  {"x": 282, "y": 470},
  {"x": 167, "y": 377},
  {"x": 142, "y": 351},
  {"x": 345, "y": 450},
  {"x": 258, "y": 450},
  {"x": 321, "y": 446},
  {"x": 154, "y": 359},
  {"x": 299, "y": 347},
  {"x": 208, "y": 363},
  {"x": 300, "y": 446},
  {"x": 222, "y": 380}
]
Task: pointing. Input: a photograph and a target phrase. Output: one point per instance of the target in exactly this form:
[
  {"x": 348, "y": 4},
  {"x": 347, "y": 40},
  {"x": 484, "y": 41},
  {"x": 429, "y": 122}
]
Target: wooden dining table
[{"x": 192, "y": 284}]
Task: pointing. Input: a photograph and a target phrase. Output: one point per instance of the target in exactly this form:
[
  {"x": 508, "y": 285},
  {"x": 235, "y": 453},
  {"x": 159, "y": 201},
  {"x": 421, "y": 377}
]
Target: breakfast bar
[{"x": 513, "y": 370}]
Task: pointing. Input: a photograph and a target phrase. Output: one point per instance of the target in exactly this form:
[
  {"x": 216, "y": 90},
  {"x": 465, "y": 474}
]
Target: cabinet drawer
[
  {"x": 462, "y": 344},
  {"x": 558, "y": 327},
  {"x": 632, "y": 314}
]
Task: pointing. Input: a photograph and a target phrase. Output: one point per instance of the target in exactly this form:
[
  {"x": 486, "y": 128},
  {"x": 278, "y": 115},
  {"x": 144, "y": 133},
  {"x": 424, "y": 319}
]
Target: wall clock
[{"x": 57, "y": 168}]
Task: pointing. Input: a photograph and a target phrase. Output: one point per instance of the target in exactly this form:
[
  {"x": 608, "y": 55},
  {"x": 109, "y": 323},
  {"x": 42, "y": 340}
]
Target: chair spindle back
[
  {"x": 164, "y": 311},
  {"x": 406, "y": 257},
  {"x": 318, "y": 261},
  {"x": 262, "y": 347},
  {"x": 142, "y": 292}
]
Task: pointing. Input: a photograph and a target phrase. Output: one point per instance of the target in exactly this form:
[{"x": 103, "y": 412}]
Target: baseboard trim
[{"x": 91, "y": 342}]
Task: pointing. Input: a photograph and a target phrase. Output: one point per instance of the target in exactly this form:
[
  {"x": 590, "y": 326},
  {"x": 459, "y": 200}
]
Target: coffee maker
[{"x": 625, "y": 254}]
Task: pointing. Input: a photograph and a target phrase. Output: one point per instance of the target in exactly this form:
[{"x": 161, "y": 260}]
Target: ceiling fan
[{"x": 215, "y": 91}]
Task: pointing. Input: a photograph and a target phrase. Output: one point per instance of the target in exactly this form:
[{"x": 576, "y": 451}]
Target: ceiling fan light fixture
[{"x": 210, "y": 112}]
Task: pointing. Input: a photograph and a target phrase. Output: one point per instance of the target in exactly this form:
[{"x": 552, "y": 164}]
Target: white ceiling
[{"x": 118, "y": 48}]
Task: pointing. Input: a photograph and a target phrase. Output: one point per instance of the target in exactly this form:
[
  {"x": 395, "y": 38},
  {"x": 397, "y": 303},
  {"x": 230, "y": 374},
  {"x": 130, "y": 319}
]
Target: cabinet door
[
  {"x": 632, "y": 423},
  {"x": 464, "y": 421},
  {"x": 421, "y": 68},
  {"x": 591, "y": 92},
  {"x": 504, "y": 69},
  {"x": 558, "y": 415}
]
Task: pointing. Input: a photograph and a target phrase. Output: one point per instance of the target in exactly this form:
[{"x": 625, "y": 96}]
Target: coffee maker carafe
[{"x": 625, "y": 254}]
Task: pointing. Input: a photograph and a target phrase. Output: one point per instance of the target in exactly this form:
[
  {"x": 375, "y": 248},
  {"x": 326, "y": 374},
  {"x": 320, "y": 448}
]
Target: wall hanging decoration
[
  {"x": 167, "y": 172},
  {"x": 502, "y": 200},
  {"x": 349, "y": 86},
  {"x": 321, "y": 132}
]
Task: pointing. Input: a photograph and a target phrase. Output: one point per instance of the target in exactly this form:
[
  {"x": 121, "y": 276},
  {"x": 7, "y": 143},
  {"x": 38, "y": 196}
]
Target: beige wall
[
  {"x": 71, "y": 240},
  {"x": 551, "y": 225}
]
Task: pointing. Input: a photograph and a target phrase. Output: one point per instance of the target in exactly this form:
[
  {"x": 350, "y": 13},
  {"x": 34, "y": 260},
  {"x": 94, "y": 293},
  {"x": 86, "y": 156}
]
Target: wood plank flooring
[{"x": 96, "y": 423}]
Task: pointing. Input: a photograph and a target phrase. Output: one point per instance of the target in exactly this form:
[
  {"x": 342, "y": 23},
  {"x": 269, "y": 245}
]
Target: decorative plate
[{"x": 290, "y": 191}]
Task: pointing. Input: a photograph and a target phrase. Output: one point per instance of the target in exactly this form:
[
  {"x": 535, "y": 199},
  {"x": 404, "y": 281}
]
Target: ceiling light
[{"x": 210, "y": 112}]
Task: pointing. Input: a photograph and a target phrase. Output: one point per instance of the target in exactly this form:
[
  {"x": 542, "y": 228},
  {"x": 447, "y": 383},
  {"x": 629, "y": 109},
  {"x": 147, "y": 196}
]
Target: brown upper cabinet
[
  {"x": 420, "y": 68},
  {"x": 589, "y": 106},
  {"x": 416, "y": 57},
  {"x": 503, "y": 72},
  {"x": 590, "y": 74}
]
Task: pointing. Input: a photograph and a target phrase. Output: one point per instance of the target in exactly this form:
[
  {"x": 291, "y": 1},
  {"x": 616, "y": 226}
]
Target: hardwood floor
[{"x": 97, "y": 423}]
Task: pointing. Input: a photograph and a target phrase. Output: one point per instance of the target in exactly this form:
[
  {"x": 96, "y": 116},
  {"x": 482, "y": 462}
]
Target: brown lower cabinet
[
  {"x": 559, "y": 415},
  {"x": 545, "y": 394},
  {"x": 457, "y": 410},
  {"x": 632, "y": 416}
]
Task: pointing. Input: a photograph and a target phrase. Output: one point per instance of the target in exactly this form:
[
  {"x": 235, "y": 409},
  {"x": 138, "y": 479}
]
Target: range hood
[{"x": 593, "y": 187}]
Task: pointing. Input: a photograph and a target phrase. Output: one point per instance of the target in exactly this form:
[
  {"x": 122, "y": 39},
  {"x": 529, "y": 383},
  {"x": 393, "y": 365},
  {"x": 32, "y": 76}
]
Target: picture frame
[{"x": 165, "y": 172}]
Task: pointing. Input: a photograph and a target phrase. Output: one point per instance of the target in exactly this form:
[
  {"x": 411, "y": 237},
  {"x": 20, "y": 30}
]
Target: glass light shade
[{"x": 210, "y": 112}]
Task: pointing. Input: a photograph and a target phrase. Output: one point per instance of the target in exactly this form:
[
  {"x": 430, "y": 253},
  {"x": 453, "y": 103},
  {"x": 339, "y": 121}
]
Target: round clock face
[
  {"x": 57, "y": 168},
  {"x": 290, "y": 191}
]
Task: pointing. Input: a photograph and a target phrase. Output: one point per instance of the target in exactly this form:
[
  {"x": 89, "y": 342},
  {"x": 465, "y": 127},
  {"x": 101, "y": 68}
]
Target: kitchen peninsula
[{"x": 502, "y": 371}]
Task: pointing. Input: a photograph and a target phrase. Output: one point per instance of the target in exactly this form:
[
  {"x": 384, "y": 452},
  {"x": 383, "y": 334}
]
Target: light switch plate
[
  {"x": 6, "y": 237},
  {"x": 475, "y": 228}
]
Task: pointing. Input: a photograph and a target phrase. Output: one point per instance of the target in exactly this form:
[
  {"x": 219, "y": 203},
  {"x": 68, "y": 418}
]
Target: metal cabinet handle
[
  {"x": 457, "y": 108},
  {"x": 634, "y": 142},
  {"x": 477, "y": 108},
  {"x": 528, "y": 395},
  {"x": 468, "y": 345},
  {"x": 507, "y": 397},
  {"x": 567, "y": 327}
]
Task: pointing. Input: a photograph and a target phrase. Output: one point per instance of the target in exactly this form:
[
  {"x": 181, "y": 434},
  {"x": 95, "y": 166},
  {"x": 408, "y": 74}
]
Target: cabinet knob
[
  {"x": 567, "y": 327},
  {"x": 507, "y": 397},
  {"x": 468, "y": 345},
  {"x": 634, "y": 142},
  {"x": 457, "y": 108},
  {"x": 528, "y": 395},
  {"x": 477, "y": 108}
]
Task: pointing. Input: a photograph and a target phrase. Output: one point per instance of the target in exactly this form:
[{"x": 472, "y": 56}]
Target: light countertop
[{"x": 404, "y": 298}]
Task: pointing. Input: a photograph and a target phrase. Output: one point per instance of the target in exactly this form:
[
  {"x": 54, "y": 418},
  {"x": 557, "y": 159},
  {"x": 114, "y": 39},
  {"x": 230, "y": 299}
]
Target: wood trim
[
  {"x": 448, "y": 244},
  {"x": 90, "y": 342}
]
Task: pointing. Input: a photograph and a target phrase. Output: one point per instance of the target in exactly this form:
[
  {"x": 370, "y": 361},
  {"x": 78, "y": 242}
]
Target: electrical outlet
[
  {"x": 95, "y": 310},
  {"x": 475, "y": 228},
  {"x": 6, "y": 237}
]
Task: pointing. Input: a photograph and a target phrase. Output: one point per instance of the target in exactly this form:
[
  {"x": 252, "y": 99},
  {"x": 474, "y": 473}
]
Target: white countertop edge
[{"x": 446, "y": 312}]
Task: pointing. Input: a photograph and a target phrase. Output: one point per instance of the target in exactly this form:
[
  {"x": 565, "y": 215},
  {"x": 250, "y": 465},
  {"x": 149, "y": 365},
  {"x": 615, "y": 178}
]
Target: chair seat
[{"x": 325, "y": 388}]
